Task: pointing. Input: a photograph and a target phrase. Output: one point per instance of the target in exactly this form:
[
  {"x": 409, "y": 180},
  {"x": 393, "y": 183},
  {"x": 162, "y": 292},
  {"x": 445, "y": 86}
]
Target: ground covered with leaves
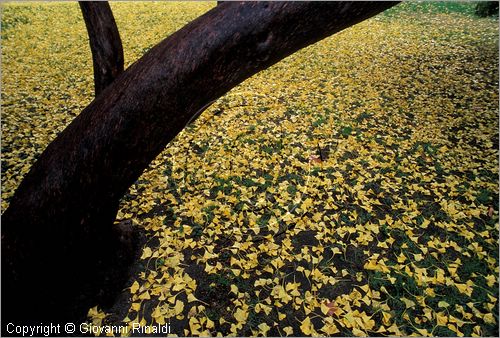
[{"x": 351, "y": 189}]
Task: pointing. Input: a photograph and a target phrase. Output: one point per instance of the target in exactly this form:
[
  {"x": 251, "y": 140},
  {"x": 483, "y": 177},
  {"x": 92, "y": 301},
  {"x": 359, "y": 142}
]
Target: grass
[{"x": 433, "y": 7}]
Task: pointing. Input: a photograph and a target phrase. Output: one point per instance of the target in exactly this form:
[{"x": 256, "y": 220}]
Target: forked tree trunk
[
  {"x": 57, "y": 243},
  {"x": 105, "y": 42}
]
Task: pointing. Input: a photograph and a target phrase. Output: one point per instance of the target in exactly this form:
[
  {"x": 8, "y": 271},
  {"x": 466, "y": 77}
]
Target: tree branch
[{"x": 105, "y": 42}]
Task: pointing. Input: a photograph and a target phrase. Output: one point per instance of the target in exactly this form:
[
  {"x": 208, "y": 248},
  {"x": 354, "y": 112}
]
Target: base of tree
[{"x": 110, "y": 266}]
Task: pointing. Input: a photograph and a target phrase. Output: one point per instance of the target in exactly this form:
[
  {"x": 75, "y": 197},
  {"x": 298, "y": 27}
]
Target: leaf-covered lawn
[{"x": 351, "y": 189}]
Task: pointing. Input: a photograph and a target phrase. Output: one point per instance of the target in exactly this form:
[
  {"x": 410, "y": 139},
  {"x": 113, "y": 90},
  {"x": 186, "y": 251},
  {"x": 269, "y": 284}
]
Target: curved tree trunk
[
  {"x": 57, "y": 242},
  {"x": 105, "y": 42}
]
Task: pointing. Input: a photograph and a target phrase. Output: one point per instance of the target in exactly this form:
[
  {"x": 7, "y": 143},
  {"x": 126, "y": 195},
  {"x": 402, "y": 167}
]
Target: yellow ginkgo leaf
[
  {"x": 330, "y": 329},
  {"x": 288, "y": 330},
  {"x": 357, "y": 332},
  {"x": 408, "y": 303},
  {"x": 145, "y": 295},
  {"x": 489, "y": 318},
  {"x": 179, "y": 306},
  {"x": 146, "y": 253},
  {"x": 491, "y": 280},
  {"x": 424, "y": 332},
  {"x": 194, "y": 326},
  {"x": 264, "y": 328},
  {"x": 441, "y": 319},
  {"x": 134, "y": 287},
  {"x": 96, "y": 315},
  {"x": 191, "y": 298},
  {"x": 371, "y": 265},
  {"x": 241, "y": 315},
  {"x": 306, "y": 326},
  {"x": 386, "y": 318},
  {"x": 464, "y": 288}
]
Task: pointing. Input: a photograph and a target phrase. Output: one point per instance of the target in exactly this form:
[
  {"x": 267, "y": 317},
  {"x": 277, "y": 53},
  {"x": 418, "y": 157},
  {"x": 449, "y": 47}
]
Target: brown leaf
[
  {"x": 315, "y": 159},
  {"x": 192, "y": 312},
  {"x": 490, "y": 211},
  {"x": 332, "y": 309}
]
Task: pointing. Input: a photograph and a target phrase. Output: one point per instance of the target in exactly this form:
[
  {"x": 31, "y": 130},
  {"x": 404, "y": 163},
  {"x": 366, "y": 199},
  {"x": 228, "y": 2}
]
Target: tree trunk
[
  {"x": 57, "y": 242},
  {"x": 105, "y": 42},
  {"x": 487, "y": 8}
]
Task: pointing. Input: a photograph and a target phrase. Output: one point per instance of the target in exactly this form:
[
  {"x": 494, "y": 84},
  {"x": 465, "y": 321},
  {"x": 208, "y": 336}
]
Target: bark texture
[
  {"x": 105, "y": 42},
  {"x": 57, "y": 237}
]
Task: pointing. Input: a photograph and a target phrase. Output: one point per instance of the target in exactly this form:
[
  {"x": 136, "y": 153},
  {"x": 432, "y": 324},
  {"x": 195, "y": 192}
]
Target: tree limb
[{"x": 105, "y": 42}]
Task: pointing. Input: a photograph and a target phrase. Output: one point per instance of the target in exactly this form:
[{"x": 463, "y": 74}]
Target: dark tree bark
[
  {"x": 57, "y": 242},
  {"x": 105, "y": 42},
  {"x": 487, "y": 8}
]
